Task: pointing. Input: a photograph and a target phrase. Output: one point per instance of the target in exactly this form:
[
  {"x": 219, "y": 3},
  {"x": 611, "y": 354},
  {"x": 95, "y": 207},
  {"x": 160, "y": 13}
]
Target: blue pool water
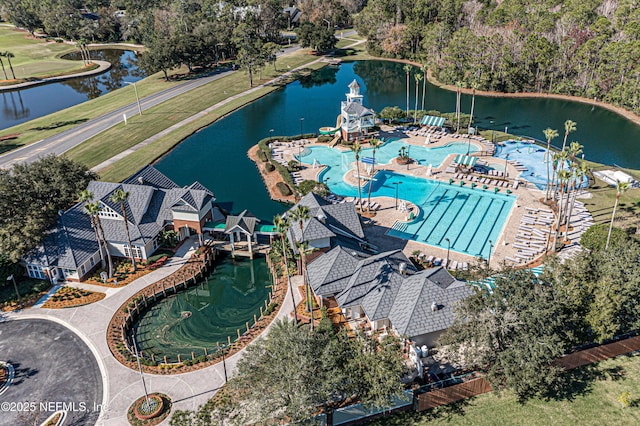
[{"x": 533, "y": 157}]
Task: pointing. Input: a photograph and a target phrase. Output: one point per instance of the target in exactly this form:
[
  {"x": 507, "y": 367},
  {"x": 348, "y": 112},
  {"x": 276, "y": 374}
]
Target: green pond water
[
  {"x": 217, "y": 155},
  {"x": 206, "y": 314}
]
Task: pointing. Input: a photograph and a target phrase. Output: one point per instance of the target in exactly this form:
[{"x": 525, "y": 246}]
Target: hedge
[
  {"x": 284, "y": 189},
  {"x": 269, "y": 167}
]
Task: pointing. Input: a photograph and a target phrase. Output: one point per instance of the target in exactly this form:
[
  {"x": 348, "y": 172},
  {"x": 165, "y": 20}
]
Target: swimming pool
[
  {"x": 385, "y": 153},
  {"x": 532, "y": 157},
  {"x": 468, "y": 218}
]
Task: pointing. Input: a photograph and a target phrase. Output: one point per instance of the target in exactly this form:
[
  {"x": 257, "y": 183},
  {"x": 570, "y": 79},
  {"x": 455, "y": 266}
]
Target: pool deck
[{"x": 528, "y": 200}]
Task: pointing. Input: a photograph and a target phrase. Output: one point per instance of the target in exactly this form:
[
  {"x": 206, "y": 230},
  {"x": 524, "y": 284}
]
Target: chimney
[
  {"x": 140, "y": 180},
  {"x": 434, "y": 306},
  {"x": 402, "y": 268}
]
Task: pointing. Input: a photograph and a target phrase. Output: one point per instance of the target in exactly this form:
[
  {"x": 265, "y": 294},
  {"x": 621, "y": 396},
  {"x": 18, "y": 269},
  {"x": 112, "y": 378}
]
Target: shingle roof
[
  {"x": 245, "y": 221},
  {"x": 327, "y": 220},
  {"x": 330, "y": 273},
  {"x": 355, "y": 108},
  {"x": 149, "y": 209},
  {"x": 412, "y": 314},
  {"x": 149, "y": 175},
  {"x": 374, "y": 283}
]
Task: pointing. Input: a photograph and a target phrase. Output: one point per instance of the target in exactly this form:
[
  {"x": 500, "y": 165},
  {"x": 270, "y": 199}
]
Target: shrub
[
  {"x": 325, "y": 138},
  {"x": 284, "y": 189},
  {"x": 595, "y": 238},
  {"x": 262, "y": 156},
  {"x": 269, "y": 167},
  {"x": 317, "y": 188}
]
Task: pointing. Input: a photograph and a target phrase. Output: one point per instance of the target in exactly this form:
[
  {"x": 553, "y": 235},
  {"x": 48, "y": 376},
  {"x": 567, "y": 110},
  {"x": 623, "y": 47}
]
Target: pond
[
  {"x": 204, "y": 315},
  {"x": 23, "y": 105},
  {"x": 217, "y": 155}
]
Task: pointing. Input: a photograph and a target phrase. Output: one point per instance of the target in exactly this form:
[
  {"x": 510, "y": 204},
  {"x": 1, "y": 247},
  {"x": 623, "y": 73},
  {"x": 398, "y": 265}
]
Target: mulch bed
[
  {"x": 69, "y": 297},
  {"x": 159, "y": 418},
  {"x": 130, "y": 277},
  {"x": 188, "y": 270},
  {"x": 27, "y": 302}
]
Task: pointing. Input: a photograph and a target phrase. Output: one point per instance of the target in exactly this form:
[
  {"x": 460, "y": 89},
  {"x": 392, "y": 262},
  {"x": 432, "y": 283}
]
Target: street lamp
[
  {"x": 137, "y": 97},
  {"x": 506, "y": 160},
  {"x": 150, "y": 403},
  {"x": 448, "y": 249},
  {"x": 489, "y": 257},
  {"x": 15, "y": 286},
  {"x": 301, "y": 120},
  {"x": 270, "y": 134},
  {"x": 328, "y": 23},
  {"x": 396, "y": 184},
  {"x": 224, "y": 362}
]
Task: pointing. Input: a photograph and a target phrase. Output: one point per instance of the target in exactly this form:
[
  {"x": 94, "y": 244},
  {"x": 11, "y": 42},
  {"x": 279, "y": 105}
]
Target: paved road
[
  {"x": 52, "y": 365},
  {"x": 66, "y": 140}
]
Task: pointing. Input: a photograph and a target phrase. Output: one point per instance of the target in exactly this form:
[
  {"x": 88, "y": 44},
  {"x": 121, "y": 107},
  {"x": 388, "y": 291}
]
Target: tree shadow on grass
[
  {"x": 59, "y": 124},
  {"x": 447, "y": 413},
  {"x": 8, "y": 147},
  {"x": 580, "y": 381}
]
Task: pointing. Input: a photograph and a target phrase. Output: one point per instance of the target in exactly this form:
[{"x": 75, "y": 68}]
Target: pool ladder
[{"x": 400, "y": 226}]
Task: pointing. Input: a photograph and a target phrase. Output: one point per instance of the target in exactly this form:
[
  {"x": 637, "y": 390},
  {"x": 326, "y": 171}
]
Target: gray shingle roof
[
  {"x": 149, "y": 209},
  {"x": 374, "y": 283},
  {"x": 330, "y": 273},
  {"x": 245, "y": 221},
  {"x": 335, "y": 219},
  {"x": 411, "y": 313},
  {"x": 149, "y": 175},
  {"x": 355, "y": 108}
]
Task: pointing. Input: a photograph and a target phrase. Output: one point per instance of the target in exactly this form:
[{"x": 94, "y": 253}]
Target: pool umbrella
[
  {"x": 495, "y": 190},
  {"x": 508, "y": 191},
  {"x": 461, "y": 183},
  {"x": 450, "y": 181},
  {"x": 484, "y": 186},
  {"x": 473, "y": 184}
]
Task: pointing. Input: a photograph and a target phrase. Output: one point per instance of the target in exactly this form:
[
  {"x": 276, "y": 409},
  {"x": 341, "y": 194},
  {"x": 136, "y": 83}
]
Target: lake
[{"x": 217, "y": 155}]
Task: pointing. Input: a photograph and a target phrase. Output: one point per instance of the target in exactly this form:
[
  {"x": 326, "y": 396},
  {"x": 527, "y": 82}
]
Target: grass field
[
  {"x": 592, "y": 400},
  {"x": 34, "y": 57}
]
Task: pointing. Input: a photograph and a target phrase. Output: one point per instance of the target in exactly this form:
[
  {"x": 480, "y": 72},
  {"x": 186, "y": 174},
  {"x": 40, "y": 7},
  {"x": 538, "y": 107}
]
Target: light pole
[
  {"x": 15, "y": 286},
  {"x": 490, "y": 250},
  {"x": 448, "y": 249},
  {"x": 144, "y": 385},
  {"x": 223, "y": 348},
  {"x": 328, "y": 23},
  {"x": 137, "y": 97},
  {"x": 301, "y": 120},
  {"x": 506, "y": 160},
  {"x": 270, "y": 134},
  {"x": 396, "y": 184}
]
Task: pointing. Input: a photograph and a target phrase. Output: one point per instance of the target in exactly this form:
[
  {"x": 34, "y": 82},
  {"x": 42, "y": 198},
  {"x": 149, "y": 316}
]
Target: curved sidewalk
[
  {"x": 188, "y": 390},
  {"x": 103, "y": 66}
]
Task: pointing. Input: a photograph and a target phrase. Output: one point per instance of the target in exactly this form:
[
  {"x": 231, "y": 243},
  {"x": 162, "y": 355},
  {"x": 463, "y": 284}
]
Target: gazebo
[{"x": 237, "y": 226}]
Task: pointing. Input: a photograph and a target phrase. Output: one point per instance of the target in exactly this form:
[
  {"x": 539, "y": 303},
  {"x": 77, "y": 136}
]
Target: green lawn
[
  {"x": 170, "y": 113},
  {"x": 34, "y": 57},
  {"x": 28, "y": 288},
  {"x": 601, "y": 205},
  {"x": 592, "y": 400}
]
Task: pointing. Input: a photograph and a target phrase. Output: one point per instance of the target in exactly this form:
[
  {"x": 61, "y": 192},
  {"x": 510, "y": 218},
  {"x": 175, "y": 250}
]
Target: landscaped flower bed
[
  {"x": 68, "y": 297},
  {"x": 138, "y": 416}
]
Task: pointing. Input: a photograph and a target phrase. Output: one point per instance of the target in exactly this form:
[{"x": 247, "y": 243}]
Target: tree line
[{"x": 575, "y": 47}]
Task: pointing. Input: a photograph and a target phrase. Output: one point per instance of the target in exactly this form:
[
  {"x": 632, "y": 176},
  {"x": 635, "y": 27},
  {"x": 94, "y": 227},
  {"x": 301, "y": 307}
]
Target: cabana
[
  {"x": 466, "y": 160},
  {"x": 430, "y": 120}
]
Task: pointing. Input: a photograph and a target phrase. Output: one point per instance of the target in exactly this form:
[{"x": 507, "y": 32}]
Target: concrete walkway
[
  {"x": 121, "y": 384},
  {"x": 203, "y": 113},
  {"x": 102, "y": 67}
]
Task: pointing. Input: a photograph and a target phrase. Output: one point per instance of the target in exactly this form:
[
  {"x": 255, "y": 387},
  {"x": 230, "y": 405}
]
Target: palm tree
[
  {"x": 356, "y": 148},
  {"x": 580, "y": 171},
  {"x": 374, "y": 143},
  {"x": 563, "y": 180},
  {"x": 574, "y": 149},
  {"x": 407, "y": 70},
  {"x": 3, "y": 68},
  {"x": 424, "y": 83},
  {"x": 86, "y": 196},
  {"x": 300, "y": 214},
  {"x": 474, "y": 86},
  {"x": 621, "y": 187},
  {"x": 93, "y": 209},
  {"x": 10, "y": 55},
  {"x": 459, "y": 86},
  {"x": 79, "y": 46},
  {"x": 120, "y": 196},
  {"x": 418, "y": 77},
  {"x": 558, "y": 160},
  {"x": 549, "y": 134},
  {"x": 569, "y": 126},
  {"x": 282, "y": 225}
]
